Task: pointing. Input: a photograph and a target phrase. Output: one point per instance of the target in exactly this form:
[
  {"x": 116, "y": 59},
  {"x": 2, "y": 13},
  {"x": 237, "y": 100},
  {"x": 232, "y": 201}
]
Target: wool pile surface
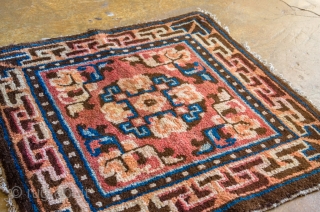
[{"x": 171, "y": 115}]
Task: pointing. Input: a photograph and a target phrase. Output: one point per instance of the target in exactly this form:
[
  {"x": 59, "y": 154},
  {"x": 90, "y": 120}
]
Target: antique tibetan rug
[{"x": 171, "y": 115}]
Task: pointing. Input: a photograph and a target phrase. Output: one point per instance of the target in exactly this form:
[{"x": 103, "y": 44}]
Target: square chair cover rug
[{"x": 171, "y": 115}]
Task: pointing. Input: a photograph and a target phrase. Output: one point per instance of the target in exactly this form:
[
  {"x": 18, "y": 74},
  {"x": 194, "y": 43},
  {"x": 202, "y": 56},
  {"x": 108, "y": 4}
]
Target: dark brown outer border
[
  {"x": 258, "y": 203},
  {"x": 12, "y": 176}
]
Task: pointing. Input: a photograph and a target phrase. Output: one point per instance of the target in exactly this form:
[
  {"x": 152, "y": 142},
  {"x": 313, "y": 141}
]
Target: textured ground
[{"x": 284, "y": 32}]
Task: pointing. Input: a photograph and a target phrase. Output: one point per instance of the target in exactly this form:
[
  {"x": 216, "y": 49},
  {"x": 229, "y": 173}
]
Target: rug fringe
[
  {"x": 274, "y": 71},
  {"x": 4, "y": 188},
  {"x": 215, "y": 18},
  {"x": 270, "y": 66}
]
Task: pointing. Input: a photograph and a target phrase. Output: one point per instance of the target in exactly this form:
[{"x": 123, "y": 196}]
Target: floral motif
[
  {"x": 150, "y": 103},
  {"x": 186, "y": 93},
  {"x": 71, "y": 90},
  {"x": 115, "y": 112},
  {"x": 135, "y": 84},
  {"x": 163, "y": 127}
]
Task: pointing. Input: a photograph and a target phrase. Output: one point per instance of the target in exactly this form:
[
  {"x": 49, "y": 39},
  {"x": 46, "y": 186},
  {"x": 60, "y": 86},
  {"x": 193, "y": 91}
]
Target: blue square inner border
[{"x": 133, "y": 186}]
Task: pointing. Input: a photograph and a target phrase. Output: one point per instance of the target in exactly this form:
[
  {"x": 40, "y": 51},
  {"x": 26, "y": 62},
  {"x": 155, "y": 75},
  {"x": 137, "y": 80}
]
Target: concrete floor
[{"x": 284, "y": 32}]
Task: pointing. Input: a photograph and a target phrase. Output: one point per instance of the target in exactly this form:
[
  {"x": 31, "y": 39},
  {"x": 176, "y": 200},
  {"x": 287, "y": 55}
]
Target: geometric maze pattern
[{"x": 173, "y": 115}]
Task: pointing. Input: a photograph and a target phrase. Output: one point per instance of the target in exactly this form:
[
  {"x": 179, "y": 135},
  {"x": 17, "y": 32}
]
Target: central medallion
[{"x": 152, "y": 105}]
